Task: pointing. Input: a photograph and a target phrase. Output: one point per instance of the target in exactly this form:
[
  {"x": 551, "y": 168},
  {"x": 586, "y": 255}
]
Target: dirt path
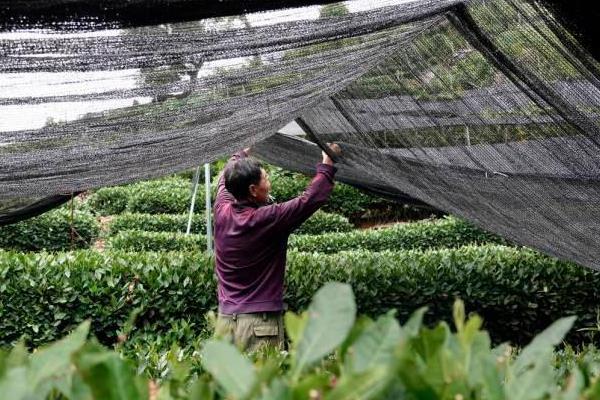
[{"x": 99, "y": 244}]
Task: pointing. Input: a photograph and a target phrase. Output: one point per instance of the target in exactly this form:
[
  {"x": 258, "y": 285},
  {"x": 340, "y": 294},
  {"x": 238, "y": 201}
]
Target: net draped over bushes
[
  {"x": 487, "y": 109},
  {"x": 518, "y": 292}
]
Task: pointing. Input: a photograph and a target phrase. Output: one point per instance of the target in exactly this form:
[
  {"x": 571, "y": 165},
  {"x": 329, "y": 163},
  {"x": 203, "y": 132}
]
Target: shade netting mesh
[{"x": 487, "y": 109}]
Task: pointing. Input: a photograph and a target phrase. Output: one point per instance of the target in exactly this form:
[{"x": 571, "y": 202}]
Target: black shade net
[{"x": 487, "y": 109}]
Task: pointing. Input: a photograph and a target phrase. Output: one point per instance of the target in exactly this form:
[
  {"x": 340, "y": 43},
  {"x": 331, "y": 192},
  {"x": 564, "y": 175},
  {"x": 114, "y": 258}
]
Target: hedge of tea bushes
[
  {"x": 172, "y": 195},
  {"x": 447, "y": 232},
  {"x": 52, "y": 231},
  {"x": 156, "y": 223},
  {"x": 518, "y": 292},
  {"x": 319, "y": 222},
  {"x": 156, "y": 241},
  {"x": 163, "y": 196}
]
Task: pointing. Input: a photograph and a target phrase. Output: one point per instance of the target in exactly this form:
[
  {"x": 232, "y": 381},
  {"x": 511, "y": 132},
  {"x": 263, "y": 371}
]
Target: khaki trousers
[{"x": 252, "y": 331}]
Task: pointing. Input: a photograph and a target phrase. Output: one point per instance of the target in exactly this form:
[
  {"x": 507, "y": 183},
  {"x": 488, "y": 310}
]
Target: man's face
[{"x": 260, "y": 192}]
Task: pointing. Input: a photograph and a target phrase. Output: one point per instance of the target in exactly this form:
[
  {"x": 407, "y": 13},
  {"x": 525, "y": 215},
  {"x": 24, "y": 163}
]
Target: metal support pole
[
  {"x": 193, "y": 202},
  {"x": 467, "y": 135},
  {"x": 207, "y": 186}
]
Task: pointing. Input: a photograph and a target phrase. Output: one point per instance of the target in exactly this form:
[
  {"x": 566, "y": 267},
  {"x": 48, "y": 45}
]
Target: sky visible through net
[{"x": 487, "y": 109}]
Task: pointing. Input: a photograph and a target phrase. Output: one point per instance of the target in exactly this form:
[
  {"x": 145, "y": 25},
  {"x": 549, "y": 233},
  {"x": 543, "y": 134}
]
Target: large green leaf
[
  {"x": 414, "y": 323},
  {"x": 375, "y": 347},
  {"x": 574, "y": 386},
  {"x": 14, "y": 384},
  {"x": 108, "y": 376},
  {"x": 543, "y": 343},
  {"x": 536, "y": 382},
  {"x": 202, "y": 389},
  {"x": 330, "y": 318},
  {"x": 56, "y": 358},
  {"x": 364, "y": 386},
  {"x": 229, "y": 368},
  {"x": 294, "y": 326}
]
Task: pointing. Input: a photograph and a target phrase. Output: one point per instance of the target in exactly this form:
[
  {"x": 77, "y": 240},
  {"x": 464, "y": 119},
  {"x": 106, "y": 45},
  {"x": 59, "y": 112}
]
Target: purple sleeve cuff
[{"x": 327, "y": 170}]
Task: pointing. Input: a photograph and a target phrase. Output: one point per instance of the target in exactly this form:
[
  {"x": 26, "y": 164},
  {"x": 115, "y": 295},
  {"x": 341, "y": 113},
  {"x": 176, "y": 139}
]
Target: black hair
[{"x": 239, "y": 175}]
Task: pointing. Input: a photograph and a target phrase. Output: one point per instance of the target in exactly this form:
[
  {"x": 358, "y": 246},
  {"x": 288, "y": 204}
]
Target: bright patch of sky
[
  {"x": 44, "y": 84},
  {"x": 35, "y": 116}
]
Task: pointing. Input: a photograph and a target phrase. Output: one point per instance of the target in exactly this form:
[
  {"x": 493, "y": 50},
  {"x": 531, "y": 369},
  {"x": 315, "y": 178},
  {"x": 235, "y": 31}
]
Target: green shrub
[
  {"x": 51, "y": 231},
  {"x": 156, "y": 241},
  {"x": 163, "y": 196},
  {"x": 375, "y": 359},
  {"x": 156, "y": 223},
  {"x": 110, "y": 200},
  {"x": 172, "y": 195},
  {"x": 321, "y": 222},
  {"x": 446, "y": 232},
  {"x": 518, "y": 292},
  {"x": 173, "y": 198}
]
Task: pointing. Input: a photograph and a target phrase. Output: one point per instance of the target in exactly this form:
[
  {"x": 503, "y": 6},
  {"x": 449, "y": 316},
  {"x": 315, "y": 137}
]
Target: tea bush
[
  {"x": 448, "y": 232},
  {"x": 156, "y": 241},
  {"x": 318, "y": 223},
  {"x": 51, "y": 231},
  {"x": 517, "y": 291},
  {"x": 332, "y": 355},
  {"x": 321, "y": 222},
  {"x": 156, "y": 223},
  {"x": 163, "y": 196},
  {"x": 172, "y": 195}
]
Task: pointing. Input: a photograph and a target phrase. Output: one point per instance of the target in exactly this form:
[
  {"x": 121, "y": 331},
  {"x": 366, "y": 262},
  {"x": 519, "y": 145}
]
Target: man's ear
[{"x": 252, "y": 190}]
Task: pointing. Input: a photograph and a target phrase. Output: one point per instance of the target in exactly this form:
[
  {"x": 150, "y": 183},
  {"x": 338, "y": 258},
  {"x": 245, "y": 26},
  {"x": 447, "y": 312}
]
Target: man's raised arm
[{"x": 291, "y": 214}]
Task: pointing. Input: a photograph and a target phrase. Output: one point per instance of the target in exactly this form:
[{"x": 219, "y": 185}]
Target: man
[{"x": 251, "y": 238}]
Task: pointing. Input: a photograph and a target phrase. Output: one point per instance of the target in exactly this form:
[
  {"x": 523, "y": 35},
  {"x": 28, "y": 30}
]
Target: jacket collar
[{"x": 245, "y": 203}]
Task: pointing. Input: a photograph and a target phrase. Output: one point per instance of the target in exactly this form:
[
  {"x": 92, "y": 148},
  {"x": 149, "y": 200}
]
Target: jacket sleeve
[
  {"x": 291, "y": 214},
  {"x": 223, "y": 196}
]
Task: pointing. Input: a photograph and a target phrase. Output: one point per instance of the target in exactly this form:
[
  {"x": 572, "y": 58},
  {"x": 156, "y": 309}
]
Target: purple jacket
[{"x": 251, "y": 244}]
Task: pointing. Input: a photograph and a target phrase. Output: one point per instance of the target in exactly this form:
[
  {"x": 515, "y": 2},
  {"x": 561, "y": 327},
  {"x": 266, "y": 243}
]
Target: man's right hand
[{"x": 335, "y": 149}]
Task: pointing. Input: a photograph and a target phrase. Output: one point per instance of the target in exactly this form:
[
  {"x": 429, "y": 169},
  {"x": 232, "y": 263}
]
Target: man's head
[{"x": 246, "y": 179}]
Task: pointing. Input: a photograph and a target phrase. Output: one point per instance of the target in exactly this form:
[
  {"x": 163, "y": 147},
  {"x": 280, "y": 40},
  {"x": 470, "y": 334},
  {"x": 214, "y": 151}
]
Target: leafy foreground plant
[{"x": 332, "y": 356}]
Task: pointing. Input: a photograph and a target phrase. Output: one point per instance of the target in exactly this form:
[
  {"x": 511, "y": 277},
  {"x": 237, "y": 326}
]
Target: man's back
[
  {"x": 251, "y": 241},
  {"x": 250, "y": 248}
]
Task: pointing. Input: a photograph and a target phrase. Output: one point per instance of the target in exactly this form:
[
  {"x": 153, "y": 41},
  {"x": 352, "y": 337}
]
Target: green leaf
[
  {"x": 543, "y": 343},
  {"x": 375, "y": 347},
  {"x": 14, "y": 384},
  {"x": 108, "y": 376},
  {"x": 317, "y": 381},
  {"x": 294, "y": 326},
  {"x": 56, "y": 358},
  {"x": 202, "y": 389},
  {"x": 330, "y": 318},
  {"x": 228, "y": 367},
  {"x": 364, "y": 386},
  {"x": 361, "y": 324},
  {"x": 414, "y": 323},
  {"x": 458, "y": 312},
  {"x": 574, "y": 386},
  {"x": 537, "y": 382}
]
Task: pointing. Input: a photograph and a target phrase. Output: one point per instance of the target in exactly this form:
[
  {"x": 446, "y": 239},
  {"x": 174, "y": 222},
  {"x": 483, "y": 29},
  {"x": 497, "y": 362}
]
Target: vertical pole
[
  {"x": 209, "y": 244},
  {"x": 467, "y": 135},
  {"x": 193, "y": 202}
]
